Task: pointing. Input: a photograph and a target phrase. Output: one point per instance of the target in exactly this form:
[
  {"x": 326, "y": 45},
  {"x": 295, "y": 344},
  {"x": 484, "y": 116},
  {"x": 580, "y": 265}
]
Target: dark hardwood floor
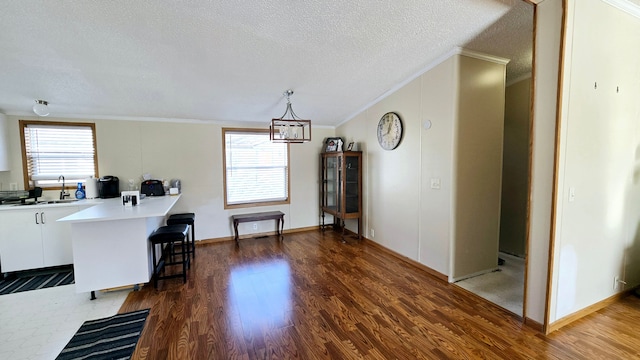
[{"x": 314, "y": 297}]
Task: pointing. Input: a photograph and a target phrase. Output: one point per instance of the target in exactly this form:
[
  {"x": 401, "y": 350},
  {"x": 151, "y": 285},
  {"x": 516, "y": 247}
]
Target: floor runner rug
[
  {"x": 114, "y": 337},
  {"x": 34, "y": 280}
]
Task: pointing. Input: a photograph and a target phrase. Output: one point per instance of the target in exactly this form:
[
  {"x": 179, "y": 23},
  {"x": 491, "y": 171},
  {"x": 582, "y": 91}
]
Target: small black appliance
[
  {"x": 108, "y": 187},
  {"x": 152, "y": 188}
]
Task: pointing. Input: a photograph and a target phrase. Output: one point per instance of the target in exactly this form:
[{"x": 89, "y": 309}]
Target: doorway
[{"x": 505, "y": 285}]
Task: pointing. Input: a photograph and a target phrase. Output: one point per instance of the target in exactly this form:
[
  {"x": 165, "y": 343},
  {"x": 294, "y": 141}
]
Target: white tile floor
[
  {"x": 36, "y": 325},
  {"x": 504, "y": 288}
]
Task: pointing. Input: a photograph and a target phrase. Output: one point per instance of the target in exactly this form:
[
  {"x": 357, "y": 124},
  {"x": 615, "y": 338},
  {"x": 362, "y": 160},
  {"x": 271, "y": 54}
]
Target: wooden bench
[{"x": 278, "y": 216}]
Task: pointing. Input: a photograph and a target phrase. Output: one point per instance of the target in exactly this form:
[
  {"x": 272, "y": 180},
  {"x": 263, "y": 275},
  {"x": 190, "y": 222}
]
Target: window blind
[
  {"x": 54, "y": 150},
  {"x": 256, "y": 169}
]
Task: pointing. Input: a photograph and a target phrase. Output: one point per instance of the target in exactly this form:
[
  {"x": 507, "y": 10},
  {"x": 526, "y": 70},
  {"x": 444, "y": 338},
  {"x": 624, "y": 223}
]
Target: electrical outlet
[
  {"x": 255, "y": 226},
  {"x": 615, "y": 283},
  {"x": 13, "y": 186},
  {"x": 373, "y": 233}
]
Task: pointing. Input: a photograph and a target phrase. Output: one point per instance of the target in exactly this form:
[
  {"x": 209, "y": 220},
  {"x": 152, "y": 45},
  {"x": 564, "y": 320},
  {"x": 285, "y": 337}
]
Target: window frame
[
  {"x": 25, "y": 168},
  {"x": 224, "y": 171}
]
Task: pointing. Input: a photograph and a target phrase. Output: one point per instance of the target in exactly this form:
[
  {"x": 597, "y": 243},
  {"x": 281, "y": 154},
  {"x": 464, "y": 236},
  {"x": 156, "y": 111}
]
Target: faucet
[{"x": 63, "y": 194}]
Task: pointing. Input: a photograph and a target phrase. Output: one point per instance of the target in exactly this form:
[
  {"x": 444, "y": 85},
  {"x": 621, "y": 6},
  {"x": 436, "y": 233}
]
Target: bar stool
[
  {"x": 169, "y": 235},
  {"x": 189, "y": 219}
]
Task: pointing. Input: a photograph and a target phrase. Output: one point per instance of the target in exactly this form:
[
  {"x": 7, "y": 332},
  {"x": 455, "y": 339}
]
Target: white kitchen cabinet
[
  {"x": 31, "y": 238},
  {"x": 21, "y": 240},
  {"x": 56, "y": 237}
]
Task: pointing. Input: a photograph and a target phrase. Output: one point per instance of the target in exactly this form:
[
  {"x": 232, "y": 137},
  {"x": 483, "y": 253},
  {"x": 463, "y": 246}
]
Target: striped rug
[
  {"x": 114, "y": 337},
  {"x": 35, "y": 281}
]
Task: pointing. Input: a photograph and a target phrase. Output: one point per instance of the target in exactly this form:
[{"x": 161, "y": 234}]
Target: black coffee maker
[{"x": 108, "y": 187}]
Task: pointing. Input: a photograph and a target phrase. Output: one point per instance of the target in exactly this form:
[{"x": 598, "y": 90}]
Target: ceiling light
[
  {"x": 41, "y": 108},
  {"x": 293, "y": 130}
]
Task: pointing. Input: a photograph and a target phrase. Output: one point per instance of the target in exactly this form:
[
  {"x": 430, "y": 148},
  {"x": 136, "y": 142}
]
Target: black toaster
[{"x": 152, "y": 188}]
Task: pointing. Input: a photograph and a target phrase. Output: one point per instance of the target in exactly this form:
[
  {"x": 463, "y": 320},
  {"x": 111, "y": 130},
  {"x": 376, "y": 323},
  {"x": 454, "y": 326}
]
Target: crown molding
[
  {"x": 483, "y": 56},
  {"x": 437, "y": 61},
  {"x": 625, "y": 6}
]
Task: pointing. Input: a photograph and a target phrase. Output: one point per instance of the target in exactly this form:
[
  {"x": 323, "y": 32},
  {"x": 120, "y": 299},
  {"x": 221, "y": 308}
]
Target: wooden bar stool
[
  {"x": 189, "y": 219},
  {"x": 167, "y": 237}
]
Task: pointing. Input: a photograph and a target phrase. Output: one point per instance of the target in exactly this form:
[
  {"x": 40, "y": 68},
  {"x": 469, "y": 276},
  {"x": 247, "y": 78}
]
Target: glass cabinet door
[
  {"x": 352, "y": 186},
  {"x": 331, "y": 185}
]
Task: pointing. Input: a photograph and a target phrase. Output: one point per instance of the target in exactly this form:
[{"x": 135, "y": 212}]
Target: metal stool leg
[
  {"x": 155, "y": 267},
  {"x": 184, "y": 262},
  {"x": 193, "y": 239}
]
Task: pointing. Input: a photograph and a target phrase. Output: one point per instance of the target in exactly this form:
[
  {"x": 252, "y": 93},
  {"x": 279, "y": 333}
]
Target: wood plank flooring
[{"x": 314, "y": 297}]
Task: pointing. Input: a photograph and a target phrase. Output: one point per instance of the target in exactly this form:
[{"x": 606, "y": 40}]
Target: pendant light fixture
[
  {"x": 290, "y": 130},
  {"x": 41, "y": 108}
]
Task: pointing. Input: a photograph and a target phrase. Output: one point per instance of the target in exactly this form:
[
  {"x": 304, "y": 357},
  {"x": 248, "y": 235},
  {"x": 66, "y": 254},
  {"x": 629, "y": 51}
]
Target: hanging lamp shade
[{"x": 290, "y": 128}]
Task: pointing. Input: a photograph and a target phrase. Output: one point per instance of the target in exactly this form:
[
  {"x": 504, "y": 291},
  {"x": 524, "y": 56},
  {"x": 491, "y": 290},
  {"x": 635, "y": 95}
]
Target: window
[
  {"x": 51, "y": 149},
  {"x": 256, "y": 171}
]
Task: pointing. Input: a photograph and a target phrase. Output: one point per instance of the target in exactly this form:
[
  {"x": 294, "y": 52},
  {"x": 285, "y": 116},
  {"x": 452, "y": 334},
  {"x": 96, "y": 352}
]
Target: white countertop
[
  {"x": 112, "y": 209},
  {"x": 43, "y": 203}
]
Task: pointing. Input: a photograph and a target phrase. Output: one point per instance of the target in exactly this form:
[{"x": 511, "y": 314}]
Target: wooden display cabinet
[{"x": 341, "y": 187}]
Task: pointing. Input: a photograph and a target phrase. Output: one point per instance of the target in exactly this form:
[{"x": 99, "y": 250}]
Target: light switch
[
  {"x": 435, "y": 183},
  {"x": 572, "y": 194}
]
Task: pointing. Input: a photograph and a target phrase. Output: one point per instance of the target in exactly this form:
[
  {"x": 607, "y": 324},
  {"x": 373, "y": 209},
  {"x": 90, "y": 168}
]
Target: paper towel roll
[{"x": 91, "y": 188}]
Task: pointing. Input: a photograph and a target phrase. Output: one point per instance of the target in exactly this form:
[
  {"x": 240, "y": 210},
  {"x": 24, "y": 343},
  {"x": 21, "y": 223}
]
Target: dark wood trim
[
  {"x": 556, "y": 165},
  {"x": 532, "y": 113},
  {"x": 23, "y": 123},
  {"x": 224, "y": 130}
]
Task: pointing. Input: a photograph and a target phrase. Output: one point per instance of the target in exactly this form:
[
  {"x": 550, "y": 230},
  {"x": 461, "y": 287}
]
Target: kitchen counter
[
  {"x": 52, "y": 203},
  {"x": 112, "y": 209},
  {"x": 110, "y": 242}
]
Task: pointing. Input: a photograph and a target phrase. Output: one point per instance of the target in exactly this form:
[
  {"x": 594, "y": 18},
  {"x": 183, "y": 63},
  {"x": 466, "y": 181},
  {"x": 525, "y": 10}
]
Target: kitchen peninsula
[{"x": 110, "y": 246}]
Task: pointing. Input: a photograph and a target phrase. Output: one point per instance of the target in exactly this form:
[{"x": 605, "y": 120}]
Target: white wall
[
  {"x": 547, "y": 53},
  {"x": 393, "y": 177},
  {"x": 4, "y": 147},
  {"x": 437, "y": 162},
  {"x": 478, "y": 138},
  {"x": 597, "y": 233},
  {"x": 515, "y": 168},
  {"x": 408, "y": 216},
  {"x": 191, "y": 152}
]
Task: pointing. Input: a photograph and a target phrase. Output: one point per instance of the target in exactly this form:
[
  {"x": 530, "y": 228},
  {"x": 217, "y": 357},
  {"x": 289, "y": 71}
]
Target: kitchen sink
[
  {"x": 45, "y": 202},
  {"x": 30, "y": 203},
  {"x": 61, "y": 201}
]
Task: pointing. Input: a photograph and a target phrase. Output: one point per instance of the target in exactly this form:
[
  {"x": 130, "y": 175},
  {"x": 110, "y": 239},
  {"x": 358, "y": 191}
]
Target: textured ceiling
[
  {"x": 231, "y": 60},
  {"x": 510, "y": 37}
]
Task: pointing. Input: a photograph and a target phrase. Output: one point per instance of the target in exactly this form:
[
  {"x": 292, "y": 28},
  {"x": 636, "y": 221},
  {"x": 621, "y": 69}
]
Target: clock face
[{"x": 389, "y": 131}]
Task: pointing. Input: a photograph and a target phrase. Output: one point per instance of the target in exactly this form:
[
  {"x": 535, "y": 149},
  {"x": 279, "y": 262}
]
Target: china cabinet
[{"x": 341, "y": 187}]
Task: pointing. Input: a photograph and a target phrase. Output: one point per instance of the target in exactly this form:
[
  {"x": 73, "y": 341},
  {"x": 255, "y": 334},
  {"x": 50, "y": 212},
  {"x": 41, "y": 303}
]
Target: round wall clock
[{"x": 389, "y": 131}]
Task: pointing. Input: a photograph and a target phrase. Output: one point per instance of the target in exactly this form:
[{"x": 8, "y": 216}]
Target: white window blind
[
  {"x": 257, "y": 170},
  {"x": 54, "y": 150}
]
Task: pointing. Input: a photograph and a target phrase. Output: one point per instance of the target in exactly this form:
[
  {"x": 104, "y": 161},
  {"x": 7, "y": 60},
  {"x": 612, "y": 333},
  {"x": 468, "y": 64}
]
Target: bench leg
[
  {"x": 235, "y": 230},
  {"x": 281, "y": 222}
]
